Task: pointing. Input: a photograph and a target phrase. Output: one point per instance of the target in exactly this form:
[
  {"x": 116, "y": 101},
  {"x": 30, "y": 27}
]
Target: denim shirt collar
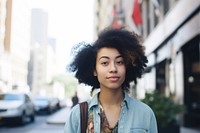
[{"x": 94, "y": 101}]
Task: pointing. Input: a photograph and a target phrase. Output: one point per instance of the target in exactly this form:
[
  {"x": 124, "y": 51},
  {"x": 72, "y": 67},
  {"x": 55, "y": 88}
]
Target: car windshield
[
  {"x": 41, "y": 100},
  {"x": 10, "y": 97}
]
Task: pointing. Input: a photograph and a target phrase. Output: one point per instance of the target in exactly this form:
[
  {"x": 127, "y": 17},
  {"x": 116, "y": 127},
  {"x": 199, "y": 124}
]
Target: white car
[{"x": 16, "y": 107}]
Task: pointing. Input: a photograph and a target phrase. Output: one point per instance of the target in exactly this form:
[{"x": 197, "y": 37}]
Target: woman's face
[{"x": 110, "y": 68}]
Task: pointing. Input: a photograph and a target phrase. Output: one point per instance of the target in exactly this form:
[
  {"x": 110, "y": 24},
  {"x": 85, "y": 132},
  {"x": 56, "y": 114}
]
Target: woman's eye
[
  {"x": 120, "y": 62},
  {"x": 104, "y": 63}
]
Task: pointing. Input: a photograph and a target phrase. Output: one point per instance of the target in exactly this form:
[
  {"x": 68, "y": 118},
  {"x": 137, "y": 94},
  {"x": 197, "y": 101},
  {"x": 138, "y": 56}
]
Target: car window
[
  {"x": 41, "y": 100},
  {"x": 27, "y": 99},
  {"x": 11, "y": 97}
]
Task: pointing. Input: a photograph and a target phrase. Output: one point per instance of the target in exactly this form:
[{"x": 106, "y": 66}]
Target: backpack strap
[{"x": 83, "y": 116}]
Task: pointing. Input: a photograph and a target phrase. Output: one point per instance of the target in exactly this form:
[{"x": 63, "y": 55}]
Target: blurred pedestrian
[
  {"x": 114, "y": 60},
  {"x": 75, "y": 99}
]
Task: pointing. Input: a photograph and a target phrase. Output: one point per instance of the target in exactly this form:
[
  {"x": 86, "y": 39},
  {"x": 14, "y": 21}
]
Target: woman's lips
[{"x": 113, "y": 78}]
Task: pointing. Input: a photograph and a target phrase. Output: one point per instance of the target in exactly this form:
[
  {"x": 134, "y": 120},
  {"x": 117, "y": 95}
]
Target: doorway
[{"x": 191, "y": 59}]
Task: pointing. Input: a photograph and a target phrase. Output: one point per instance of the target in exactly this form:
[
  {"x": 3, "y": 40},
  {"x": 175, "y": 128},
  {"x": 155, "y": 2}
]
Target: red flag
[
  {"x": 136, "y": 15},
  {"x": 115, "y": 21},
  {"x": 115, "y": 24}
]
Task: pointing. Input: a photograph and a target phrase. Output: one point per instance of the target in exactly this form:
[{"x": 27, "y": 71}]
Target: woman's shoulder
[
  {"x": 75, "y": 111},
  {"x": 139, "y": 105}
]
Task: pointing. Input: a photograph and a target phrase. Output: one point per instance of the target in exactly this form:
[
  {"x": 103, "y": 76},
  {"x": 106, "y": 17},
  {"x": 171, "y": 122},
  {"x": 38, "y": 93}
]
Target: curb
[{"x": 60, "y": 117}]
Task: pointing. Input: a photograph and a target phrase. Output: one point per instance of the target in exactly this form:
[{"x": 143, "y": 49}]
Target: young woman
[{"x": 114, "y": 60}]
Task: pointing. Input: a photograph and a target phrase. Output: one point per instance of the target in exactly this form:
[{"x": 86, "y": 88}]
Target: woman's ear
[{"x": 94, "y": 73}]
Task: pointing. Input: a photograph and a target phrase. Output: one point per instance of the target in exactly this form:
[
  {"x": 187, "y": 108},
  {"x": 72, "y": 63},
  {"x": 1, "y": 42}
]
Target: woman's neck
[
  {"x": 110, "y": 101},
  {"x": 111, "y": 97}
]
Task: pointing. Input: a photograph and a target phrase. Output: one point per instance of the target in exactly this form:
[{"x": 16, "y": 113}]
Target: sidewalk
[
  {"x": 59, "y": 117},
  {"x": 187, "y": 130}
]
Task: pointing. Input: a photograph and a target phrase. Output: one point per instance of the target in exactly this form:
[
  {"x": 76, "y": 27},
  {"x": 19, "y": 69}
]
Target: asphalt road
[{"x": 39, "y": 126}]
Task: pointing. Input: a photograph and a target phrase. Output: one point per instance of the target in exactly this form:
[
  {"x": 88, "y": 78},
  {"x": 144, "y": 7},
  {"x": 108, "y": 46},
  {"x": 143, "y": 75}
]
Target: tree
[
  {"x": 68, "y": 81},
  {"x": 165, "y": 109}
]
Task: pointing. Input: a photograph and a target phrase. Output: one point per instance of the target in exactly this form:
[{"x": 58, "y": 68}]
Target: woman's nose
[{"x": 113, "y": 67}]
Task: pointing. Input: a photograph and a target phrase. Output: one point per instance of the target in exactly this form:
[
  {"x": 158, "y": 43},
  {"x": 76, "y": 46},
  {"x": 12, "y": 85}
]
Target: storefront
[{"x": 173, "y": 50}]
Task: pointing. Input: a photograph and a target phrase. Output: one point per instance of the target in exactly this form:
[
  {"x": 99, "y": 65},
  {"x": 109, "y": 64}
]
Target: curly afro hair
[{"x": 126, "y": 42}]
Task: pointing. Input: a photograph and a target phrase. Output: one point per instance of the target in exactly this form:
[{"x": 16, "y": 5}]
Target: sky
[{"x": 70, "y": 22}]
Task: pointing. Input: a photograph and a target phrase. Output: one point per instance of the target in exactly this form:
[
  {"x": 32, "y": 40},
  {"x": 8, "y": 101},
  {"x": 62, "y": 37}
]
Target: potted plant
[{"x": 166, "y": 111}]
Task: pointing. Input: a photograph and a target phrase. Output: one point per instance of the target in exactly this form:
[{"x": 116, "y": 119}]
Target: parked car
[
  {"x": 57, "y": 103},
  {"x": 44, "y": 105},
  {"x": 16, "y": 107}
]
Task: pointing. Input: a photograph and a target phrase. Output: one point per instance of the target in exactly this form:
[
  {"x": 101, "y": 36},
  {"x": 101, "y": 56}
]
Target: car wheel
[
  {"x": 32, "y": 117},
  {"x": 49, "y": 111},
  {"x": 22, "y": 119}
]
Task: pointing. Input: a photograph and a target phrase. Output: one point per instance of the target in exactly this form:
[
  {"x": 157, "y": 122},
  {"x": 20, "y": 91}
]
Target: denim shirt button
[{"x": 121, "y": 126}]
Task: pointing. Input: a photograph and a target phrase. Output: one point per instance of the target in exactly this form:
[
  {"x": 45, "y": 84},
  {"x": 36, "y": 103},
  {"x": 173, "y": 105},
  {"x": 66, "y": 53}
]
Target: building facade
[
  {"x": 42, "y": 64},
  {"x": 171, "y": 32},
  {"x": 3, "y": 62},
  {"x": 15, "y": 44},
  {"x": 174, "y": 55}
]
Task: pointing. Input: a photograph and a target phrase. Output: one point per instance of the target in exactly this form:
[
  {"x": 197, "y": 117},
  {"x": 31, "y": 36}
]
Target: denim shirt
[{"x": 135, "y": 117}]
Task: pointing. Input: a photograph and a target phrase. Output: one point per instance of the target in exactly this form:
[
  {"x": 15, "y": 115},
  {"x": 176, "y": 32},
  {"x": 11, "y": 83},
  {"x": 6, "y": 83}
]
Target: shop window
[{"x": 161, "y": 77}]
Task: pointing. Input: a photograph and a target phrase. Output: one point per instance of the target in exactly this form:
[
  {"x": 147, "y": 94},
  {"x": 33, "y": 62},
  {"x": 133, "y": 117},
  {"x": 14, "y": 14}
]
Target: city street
[
  {"x": 42, "y": 124},
  {"x": 48, "y": 61}
]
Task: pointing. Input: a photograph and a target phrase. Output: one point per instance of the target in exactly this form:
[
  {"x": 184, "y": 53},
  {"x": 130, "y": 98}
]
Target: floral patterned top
[{"x": 104, "y": 123}]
